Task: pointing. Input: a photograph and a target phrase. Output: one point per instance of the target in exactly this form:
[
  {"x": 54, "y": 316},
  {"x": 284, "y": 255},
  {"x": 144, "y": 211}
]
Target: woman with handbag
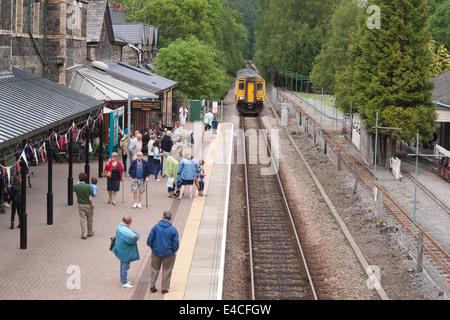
[
  {"x": 114, "y": 172},
  {"x": 125, "y": 248}
]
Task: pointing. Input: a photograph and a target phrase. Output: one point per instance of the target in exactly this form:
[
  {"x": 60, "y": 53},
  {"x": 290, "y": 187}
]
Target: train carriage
[
  {"x": 443, "y": 162},
  {"x": 250, "y": 91}
]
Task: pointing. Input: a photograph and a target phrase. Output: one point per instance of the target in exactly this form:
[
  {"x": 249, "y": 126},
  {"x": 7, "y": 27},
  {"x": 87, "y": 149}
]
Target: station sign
[{"x": 146, "y": 105}]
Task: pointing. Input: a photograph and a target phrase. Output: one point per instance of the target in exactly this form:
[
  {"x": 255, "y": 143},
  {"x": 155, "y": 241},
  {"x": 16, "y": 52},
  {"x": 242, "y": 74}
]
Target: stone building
[
  {"x": 44, "y": 37},
  {"x": 141, "y": 40},
  {"x": 101, "y": 44}
]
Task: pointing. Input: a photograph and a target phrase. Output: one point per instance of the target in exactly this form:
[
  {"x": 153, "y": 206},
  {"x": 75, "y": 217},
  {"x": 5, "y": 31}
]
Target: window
[
  {"x": 259, "y": 86},
  {"x": 241, "y": 85}
]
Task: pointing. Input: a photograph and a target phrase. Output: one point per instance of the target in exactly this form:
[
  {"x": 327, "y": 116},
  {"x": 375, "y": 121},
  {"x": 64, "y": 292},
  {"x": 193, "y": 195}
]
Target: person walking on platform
[
  {"x": 139, "y": 172},
  {"x": 113, "y": 183},
  {"x": 187, "y": 170},
  {"x": 166, "y": 147},
  {"x": 83, "y": 191},
  {"x": 172, "y": 172},
  {"x": 157, "y": 154},
  {"x": 16, "y": 198},
  {"x": 135, "y": 146},
  {"x": 201, "y": 178},
  {"x": 125, "y": 248},
  {"x": 183, "y": 114},
  {"x": 163, "y": 240}
]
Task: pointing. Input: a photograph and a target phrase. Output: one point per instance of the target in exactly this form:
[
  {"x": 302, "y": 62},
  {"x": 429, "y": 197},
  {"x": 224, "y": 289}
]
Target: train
[
  {"x": 443, "y": 162},
  {"x": 250, "y": 91}
]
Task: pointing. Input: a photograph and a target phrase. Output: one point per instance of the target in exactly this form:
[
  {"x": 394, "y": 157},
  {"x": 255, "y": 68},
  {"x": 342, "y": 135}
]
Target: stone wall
[{"x": 65, "y": 29}]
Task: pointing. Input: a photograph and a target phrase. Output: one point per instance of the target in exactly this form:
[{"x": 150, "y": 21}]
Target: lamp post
[
  {"x": 417, "y": 155},
  {"x": 349, "y": 131},
  {"x": 376, "y": 148}
]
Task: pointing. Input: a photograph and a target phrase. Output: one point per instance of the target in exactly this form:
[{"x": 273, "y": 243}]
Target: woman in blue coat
[
  {"x": 125, "y": 248},
  {"x": 187, "y": 170}
]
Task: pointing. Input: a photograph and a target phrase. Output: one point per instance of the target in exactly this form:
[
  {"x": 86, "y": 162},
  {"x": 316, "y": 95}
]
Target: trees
[
  {"x": 438, "y": 22},
  {"x": 193, "y": 65},
  {"x": 289, "y": 34},
  {"x": 207, "y": 24},
  {"x": 333, "y": 59},
  {"x": 390, "y": 73},
  {"x": 440, "y": 59}
]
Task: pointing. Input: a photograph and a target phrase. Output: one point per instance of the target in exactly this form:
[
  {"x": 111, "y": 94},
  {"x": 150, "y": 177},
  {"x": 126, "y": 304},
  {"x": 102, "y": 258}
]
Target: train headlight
[
  {"x": 259, "y": 98},
  {"x": 241, "y": 98}
]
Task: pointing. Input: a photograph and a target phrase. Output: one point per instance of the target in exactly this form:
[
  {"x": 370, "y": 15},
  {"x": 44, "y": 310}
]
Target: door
[{"x": 250, "y": 92}]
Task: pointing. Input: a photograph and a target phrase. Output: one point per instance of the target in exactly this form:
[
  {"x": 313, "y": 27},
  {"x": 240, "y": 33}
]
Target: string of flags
[{"x": 40, "y": 154}]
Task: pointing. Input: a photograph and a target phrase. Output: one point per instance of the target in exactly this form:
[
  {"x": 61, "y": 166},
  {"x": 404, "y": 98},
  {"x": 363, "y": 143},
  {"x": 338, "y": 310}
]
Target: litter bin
[{"x": 195, "y": 110}]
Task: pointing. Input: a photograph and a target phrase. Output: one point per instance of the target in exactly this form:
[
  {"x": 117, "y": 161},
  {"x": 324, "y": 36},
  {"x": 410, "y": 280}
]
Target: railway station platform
[{"x": 58, "y": 265}]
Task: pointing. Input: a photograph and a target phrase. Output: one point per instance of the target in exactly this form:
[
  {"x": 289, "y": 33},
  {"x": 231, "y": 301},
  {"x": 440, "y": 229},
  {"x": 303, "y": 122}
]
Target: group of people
[
  {"x": 182, "y": 170},
  {"x": 163, "y": 237},
  {"x": 169, "y": 157}
]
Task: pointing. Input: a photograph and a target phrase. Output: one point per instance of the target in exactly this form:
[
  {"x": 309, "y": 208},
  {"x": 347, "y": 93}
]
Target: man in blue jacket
[
  {"x": 163, "y": 239},
  {"x": 125, "y": 248},
  {"x": 139, "y": 172}
]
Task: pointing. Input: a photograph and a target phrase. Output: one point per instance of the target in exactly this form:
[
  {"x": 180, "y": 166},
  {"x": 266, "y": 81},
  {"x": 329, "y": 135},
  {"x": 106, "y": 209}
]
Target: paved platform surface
[{"x": 58, "y": 264}]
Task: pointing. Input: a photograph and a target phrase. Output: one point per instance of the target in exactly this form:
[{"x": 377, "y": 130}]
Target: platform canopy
[{"x": 31, "y": 105}]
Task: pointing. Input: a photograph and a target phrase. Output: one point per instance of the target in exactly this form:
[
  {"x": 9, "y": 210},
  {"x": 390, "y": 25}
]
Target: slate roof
[
  {"x": 31, "y": 105},
  {"x": 94, "y": 21},
  {"x": 441, "y": 91},
  {"x": 104, "y": 87},
  {"x": 140, "y": 78},
  {"x": 136, "y": 33}
]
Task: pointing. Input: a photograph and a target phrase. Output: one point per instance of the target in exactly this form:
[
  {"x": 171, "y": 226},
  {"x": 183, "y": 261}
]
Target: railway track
[
  {"x": 437, "y": 256},
  {"x": 278, "y": 269},
  {"x": 427, "y": 192}
]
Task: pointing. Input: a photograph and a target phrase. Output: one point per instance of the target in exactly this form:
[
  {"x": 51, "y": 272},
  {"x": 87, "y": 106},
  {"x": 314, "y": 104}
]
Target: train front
[{"x": 250, "y": 90}]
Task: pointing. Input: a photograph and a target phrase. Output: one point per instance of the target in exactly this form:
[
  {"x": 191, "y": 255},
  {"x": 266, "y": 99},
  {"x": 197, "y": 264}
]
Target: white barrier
[{"x": 395, "y": 166}]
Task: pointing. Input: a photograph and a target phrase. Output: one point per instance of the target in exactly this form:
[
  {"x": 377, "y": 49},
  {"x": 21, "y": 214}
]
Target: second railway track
[{"x": 278, "y": 267}]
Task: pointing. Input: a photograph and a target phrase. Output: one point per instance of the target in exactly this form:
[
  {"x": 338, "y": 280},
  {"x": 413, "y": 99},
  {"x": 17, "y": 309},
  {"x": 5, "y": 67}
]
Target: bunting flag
[
  {"x": 8, "y": 171},
  {"x": 41, "y": 152},
  {"x": 25, "y": 159}
]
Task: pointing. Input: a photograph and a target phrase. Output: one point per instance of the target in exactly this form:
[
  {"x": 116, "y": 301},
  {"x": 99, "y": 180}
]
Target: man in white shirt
[
  {"x": 135, "y": 146},
  {"x": 183, "y": 114}
]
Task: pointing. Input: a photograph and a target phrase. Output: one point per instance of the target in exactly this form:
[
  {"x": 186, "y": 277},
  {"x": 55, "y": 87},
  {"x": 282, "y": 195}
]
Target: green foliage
[
  {"x": 249, "y": 12},
  {"x": 193, "y": 65},
  {"x": 439, "y": 21},
  {"x": 290, "y": 33},
  {"x": 208, "y": 20},
  {"x": 391, "y": 70},
  {"x": 333, "y": 58},
  {"x": 201, "y": 41},
  {"x": 440, "y": 59}
]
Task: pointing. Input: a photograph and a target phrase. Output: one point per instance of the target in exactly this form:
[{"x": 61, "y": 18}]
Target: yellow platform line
[{"x": 180, "y": 273}]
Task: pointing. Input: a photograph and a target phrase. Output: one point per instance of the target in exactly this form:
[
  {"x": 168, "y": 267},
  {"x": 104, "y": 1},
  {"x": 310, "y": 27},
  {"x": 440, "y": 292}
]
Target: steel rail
[
  {"x": 249, "y": 228},
  {"x": 286, "y": 205}
]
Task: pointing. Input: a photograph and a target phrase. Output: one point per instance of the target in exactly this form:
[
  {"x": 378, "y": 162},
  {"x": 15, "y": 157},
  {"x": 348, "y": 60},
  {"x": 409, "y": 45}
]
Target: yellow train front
[{"x": 250, "y": 90}]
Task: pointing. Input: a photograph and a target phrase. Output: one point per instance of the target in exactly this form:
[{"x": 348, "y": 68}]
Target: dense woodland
[{"x": 376, "y": 55}]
